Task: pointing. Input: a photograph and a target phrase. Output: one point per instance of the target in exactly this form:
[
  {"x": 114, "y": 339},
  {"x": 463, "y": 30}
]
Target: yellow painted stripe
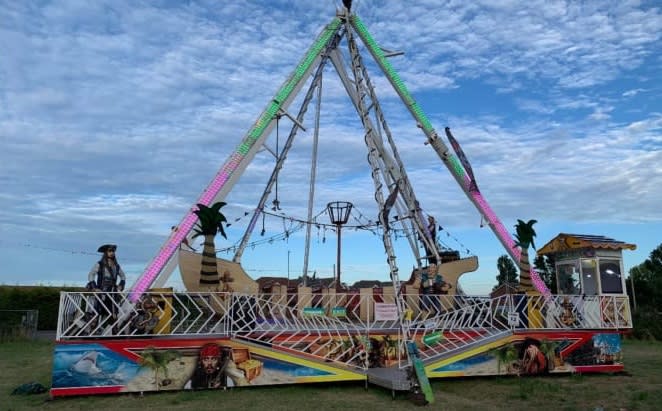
[
  {"x": 447, "y": 374},
  {"x": 326, "y": 378},
  {"x": 338, "y": 374},
  {"x": 469, "y": 353}
]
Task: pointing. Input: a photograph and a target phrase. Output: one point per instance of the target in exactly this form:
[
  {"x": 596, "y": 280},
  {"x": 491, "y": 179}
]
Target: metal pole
[
  {"x": 634, "y": 297},
  {"x": 288, "y": 268},
  {"x": 338, "y": 227}
]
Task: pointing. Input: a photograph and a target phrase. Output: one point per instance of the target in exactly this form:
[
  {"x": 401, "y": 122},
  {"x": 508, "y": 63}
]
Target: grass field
[{"x": 640, "y": 388}]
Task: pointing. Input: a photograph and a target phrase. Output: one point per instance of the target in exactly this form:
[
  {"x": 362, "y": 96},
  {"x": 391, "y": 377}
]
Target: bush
[
  {"x": 44, "y": 299},
  {"x": 647, "y": 324}
]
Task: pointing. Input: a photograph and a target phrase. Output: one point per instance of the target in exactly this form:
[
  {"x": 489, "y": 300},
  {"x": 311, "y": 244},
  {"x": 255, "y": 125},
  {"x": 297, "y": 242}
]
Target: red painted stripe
[
  {"x": 125, "y": 347},
  {"x": 599, "y": 368},
  {"x": 108, "y": 389}
]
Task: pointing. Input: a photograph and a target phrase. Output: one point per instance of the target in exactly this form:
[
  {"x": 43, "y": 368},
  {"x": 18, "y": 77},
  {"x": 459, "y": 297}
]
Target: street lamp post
[{"x": 339, "y": 214}]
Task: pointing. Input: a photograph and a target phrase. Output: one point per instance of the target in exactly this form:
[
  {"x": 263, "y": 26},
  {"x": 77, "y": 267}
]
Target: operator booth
[
  {"x": 587, "y": 264},
  {"x": 586, "y": 267}
]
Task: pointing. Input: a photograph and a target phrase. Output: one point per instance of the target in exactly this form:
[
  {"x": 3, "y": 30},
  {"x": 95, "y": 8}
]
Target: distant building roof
[
  {"x": 371, "y": 284},
  {"x": 321, "y": 282},
  {"x": 265, "y": 283},
  {"x": 565, "y": 242}
]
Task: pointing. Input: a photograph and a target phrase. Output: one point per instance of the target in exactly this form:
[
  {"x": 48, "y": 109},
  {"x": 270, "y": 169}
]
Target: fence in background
[{"x": 18, "y": 324}]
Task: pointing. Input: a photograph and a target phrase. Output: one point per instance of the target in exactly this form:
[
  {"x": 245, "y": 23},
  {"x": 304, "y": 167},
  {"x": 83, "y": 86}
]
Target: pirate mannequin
[{"x": 103, "y": 278}]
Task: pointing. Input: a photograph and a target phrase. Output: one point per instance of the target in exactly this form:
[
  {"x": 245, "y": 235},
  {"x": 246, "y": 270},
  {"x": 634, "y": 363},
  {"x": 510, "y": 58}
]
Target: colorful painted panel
[
  {"x": 536, "y": 353},
  {"x": 114, "y": 366},
  {"x": 91, "y": 365},
  {"x": 153, "y": 365}
]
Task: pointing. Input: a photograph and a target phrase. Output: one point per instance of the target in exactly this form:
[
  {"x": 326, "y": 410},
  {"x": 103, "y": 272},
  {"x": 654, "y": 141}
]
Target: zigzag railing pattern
[{"x": 335, "y": 327}]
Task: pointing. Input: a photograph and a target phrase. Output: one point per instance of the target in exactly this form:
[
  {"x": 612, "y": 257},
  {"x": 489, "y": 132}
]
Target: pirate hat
[{"x": 107, "y": 247}]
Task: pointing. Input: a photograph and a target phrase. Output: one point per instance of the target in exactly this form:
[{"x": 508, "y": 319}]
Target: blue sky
[{"x": 114, "y": 116}]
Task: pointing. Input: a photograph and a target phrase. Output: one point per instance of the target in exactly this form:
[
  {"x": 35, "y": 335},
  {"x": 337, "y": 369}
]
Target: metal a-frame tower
[
  {"x": 384, "y": 162},
  {"x": 391, "y": 183}
]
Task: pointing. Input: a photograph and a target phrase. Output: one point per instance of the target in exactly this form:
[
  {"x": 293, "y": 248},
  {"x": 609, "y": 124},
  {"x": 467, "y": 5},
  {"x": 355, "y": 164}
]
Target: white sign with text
[{"x": 386, "y": 312}]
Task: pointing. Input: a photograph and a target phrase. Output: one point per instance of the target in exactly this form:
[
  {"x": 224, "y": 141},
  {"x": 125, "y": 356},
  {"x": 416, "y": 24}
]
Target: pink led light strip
[
  {"x": 454, "y": 165},
  {"x": 172, "y": 245},
  {"x": 298, "y": 76},
  {"x": 504, "y": 235}
]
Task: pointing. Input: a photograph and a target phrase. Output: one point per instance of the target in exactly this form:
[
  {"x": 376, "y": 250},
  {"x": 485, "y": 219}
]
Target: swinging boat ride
[{"x": 393, "y": 335}]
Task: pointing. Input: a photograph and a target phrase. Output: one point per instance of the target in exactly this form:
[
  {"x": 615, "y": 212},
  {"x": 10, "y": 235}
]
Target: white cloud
[
  {"x": 115, "y": 116},
  {"x": 601, "y": 113},
  {"x": 633, "y": 92}
]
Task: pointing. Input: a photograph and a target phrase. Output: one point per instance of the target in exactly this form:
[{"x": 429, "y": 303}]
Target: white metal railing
[{"x": 335, "y": 327}]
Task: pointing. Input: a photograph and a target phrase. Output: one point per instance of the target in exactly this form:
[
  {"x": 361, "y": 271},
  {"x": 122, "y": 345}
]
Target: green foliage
[
  {"x": 545, "y": 267},
  {"x": 507, "y": 272},
  {"x": 524, "y": 234},
  {"x": 647, "y": 324},
  {"x": 647, "y": 279},
  {"x": 44, "y": 299}
]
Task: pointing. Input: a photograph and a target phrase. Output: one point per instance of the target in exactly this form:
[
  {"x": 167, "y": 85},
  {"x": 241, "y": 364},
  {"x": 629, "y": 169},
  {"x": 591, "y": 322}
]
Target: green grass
[{"x": 638, "y": 389}]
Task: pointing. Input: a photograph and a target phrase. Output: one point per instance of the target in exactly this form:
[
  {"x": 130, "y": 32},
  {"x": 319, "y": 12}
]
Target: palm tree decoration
[
  {"x": 158, "y": 360},
  {"x": 210, "y": 223},
  {"x": 390, "y": 348},
  {"x": 548, "y": 348},
  {"x": 524, "y": 236},
  {"x": 505, "y": 355}
]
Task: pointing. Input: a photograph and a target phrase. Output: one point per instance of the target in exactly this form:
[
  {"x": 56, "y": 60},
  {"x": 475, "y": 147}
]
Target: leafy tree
[
  {"x": 209, "y": 224},
  {"x": 647, "y": 278},
  {"x": 545, "y": 266},
  {"x": 507, "y": 271},
  {"x": 524, "y": 234}
]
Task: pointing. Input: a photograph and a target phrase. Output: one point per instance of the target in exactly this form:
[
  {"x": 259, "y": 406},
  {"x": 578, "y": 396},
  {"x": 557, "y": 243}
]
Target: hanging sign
[
  {"x": 338, "y": 312},
  {"x": 513, "y": 318},
  {"x": 386, "y": 312},
  {"x": 312, "y": 311}
]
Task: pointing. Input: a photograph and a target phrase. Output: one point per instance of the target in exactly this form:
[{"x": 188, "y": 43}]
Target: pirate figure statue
[{"x": 103, "y": 278}]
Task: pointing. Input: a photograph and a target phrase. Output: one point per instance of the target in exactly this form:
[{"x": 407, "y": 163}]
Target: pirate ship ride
[{"x": 393, "y": 335}]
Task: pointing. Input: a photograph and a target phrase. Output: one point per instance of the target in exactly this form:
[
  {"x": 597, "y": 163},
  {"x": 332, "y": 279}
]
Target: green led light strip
[
  {"x": 401, "y": 89},
  {"x": 285, "y": 91},
  {"x": 399, "y": 86},
  {"x": 155, "y": 267}
]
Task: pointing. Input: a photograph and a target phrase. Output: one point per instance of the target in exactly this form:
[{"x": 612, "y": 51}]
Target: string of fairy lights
[
  {"x": 292, "y": 225},
  {"x": 44, "y": 248}
]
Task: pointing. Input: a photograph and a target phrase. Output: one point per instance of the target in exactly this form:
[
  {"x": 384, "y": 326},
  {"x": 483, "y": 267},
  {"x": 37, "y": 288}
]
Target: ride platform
[{"x": 271, "y": 339}]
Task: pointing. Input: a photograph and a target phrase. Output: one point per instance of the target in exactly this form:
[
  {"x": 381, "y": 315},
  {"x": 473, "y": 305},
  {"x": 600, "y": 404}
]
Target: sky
[{"x": 116, "y": 115}]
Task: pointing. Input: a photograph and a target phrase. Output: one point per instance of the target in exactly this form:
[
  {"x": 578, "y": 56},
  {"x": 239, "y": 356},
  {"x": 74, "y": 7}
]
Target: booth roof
[{"x": 565, "y": 242}]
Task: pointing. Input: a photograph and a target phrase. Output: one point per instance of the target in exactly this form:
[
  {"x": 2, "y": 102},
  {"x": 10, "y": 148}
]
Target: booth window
[
  {"x": 568, "y": 278},
  {"x": 589, "y": 277},
  {"x": 610, "y": 276}
]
